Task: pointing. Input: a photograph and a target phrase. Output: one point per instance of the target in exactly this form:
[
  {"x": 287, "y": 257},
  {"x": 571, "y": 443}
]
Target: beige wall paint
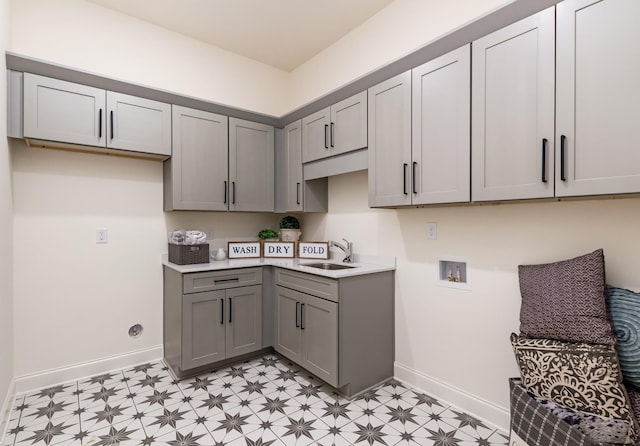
[
  {"x": 6, "y": 226},
  {"x": 95, "y": 39},
  {"x": 397, "y": 30},
  {"x": 68, "y": 290},
  {"x": 461, "y": 337},
  {"x": 72, "y": 292}
]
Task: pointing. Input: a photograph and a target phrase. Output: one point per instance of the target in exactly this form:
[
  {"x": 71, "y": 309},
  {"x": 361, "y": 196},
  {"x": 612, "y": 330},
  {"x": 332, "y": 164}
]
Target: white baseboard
[
  {"x": 48, "y": 378},
  {"x": 494, "y": 415},
  {"x": 7, "y": 406}
]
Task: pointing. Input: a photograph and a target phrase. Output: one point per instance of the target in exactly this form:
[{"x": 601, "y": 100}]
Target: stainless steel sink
[{"x": 329, "y": 266}]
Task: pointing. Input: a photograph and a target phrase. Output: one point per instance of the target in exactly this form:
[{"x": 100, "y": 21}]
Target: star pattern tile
[{"x": 266, "y": 401}]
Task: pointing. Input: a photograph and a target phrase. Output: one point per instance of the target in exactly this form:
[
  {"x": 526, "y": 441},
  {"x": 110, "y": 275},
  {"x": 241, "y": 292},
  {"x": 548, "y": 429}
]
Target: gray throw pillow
[{"x": 566, "y": 300}]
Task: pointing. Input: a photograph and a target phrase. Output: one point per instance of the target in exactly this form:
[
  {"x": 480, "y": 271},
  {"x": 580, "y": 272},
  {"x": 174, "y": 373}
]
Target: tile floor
[{"x": 263, "y": 402}]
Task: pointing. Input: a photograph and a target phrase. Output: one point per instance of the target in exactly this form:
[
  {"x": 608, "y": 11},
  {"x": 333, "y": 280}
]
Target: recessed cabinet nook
[
  {"x": 65, "y": 113},
  {"x": 337, "y": 129}
]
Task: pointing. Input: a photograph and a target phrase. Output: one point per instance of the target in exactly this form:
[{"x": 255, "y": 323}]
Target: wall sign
[
  {"x": 243, "y": 250},
  {"x": 313, "y": 250},
  {"x": 279, "y": 249}
]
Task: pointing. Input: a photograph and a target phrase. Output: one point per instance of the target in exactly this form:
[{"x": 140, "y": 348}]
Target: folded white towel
[
  {"x": 182, "y": 237},
  {"x": 195, "y": 238}
]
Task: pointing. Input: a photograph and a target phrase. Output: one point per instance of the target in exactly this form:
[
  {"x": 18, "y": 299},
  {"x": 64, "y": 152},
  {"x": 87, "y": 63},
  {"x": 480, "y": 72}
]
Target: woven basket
[{"x": 188, "y": 254}]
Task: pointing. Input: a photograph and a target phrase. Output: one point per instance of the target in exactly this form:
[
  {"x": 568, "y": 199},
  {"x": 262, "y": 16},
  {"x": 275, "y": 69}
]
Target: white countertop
[{"x": 363, "y": 264}]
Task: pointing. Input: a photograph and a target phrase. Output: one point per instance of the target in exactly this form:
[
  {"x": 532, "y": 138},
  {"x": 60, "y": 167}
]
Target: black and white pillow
[{"x": 581, "y": 376}]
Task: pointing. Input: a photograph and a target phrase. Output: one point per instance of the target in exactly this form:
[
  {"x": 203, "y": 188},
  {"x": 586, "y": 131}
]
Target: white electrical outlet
[
  {"x": 432, "y": 230},
  {"x": 102, "y": 235}
]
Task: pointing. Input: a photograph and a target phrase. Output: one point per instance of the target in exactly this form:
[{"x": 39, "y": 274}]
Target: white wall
[
  {"x": 89, "y": 37},
  {"x": 6, "y": 229},
  {"x": 397, "y": 30},
  {"x": 75, "y": 300}
]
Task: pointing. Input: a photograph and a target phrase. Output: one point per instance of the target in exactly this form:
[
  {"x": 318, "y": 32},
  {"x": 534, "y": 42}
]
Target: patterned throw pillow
[
  {"x": 566, "y": 300},
  {"x": 597, "y": 428},
  {"x": 624, "y": 308},
  {"x": 580, "y": 376}
]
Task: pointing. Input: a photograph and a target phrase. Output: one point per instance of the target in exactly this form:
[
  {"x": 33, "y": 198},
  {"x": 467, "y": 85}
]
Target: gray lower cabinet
[
  {"x": 251, "y": 166},
  {"x": 307, "y": 332},
  {"x": 340, "y": 330},
  {"x": 58, "y": 113},
  {"x": 337, "y": 129},
  {"x": 210, "y": 317},
  {"x": 196, "y": 175}
]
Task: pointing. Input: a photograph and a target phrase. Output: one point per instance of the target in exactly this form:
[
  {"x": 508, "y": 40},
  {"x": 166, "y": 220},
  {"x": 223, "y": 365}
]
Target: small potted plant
[
  {"x": 289, "y": 229},
  {"x": 269, "y": 235}
]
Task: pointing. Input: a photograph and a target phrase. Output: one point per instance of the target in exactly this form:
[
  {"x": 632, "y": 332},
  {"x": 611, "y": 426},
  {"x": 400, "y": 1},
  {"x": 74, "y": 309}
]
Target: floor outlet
[{"x": 102, "y": 235}]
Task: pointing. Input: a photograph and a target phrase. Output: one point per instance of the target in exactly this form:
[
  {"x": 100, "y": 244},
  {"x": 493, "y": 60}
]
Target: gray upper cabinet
[
  {"x": 390, "y": 142},
  {"x": 419, "y": 150},
  {"x": 337, "y": 129},
  {"x": 315, "y": 135},
  {"x": 291, "y": 164},
  {"x": 598, "y": 117},
  {"x": 65, "y": 112},
  {"x": 195, "y": 177},
  {"x": 293, "y": 193},
  {"x": 138, "y": 125},
  {"x": 251, "y": 166},
  {"x": 513, "y": 111},
  {"x": 68, "y": 114},
  {"x": 441, "y": 109}
]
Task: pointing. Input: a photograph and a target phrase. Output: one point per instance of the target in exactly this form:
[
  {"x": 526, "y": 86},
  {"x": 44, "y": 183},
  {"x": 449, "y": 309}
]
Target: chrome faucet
[{"x": 348, "y": 249}]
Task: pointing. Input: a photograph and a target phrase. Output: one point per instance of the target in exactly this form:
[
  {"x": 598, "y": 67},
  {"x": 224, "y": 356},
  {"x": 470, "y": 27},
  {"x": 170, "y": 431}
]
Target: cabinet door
[
  {"x": 390, "y": 141},
  {"x": 513, "y": 111},
  {"x": 288, "y": 340},
  {"x": 251, "y": 166},
  {"x": 138, "y": 124},
  {"x": 203, "y": 329},
  {"x": 348, "y": 127},
  {"x": 293, "y": 167},
  {"x": 441, "y": 151},
  {"x": 319, "y": 327},
  {"x": 315, "y": 135},
  {"x": 65, "y": 112},
  {"x": 598, "y": 117},
  {"x": 243, "y": 320},
  {"x": 196, "y": 173}
]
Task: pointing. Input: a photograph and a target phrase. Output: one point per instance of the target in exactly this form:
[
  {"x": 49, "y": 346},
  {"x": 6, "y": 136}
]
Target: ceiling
[{"x": 280, "y": 33}]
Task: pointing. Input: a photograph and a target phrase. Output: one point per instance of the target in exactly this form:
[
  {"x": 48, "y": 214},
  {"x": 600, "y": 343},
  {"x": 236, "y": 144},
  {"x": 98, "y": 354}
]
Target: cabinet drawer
[
  {"x": 308, "y": 283},
  {"x": 219, "y": 280}
]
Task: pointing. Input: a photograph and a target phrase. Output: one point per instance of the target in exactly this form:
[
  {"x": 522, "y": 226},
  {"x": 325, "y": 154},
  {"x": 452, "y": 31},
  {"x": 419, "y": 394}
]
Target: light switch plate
[{"x": 432, "y": 230}]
